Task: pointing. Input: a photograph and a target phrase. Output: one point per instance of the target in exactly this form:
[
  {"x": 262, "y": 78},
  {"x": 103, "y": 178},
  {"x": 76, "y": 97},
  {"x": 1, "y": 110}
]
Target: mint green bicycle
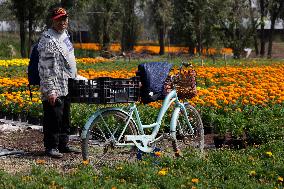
[{"x": 114, "y": 134}]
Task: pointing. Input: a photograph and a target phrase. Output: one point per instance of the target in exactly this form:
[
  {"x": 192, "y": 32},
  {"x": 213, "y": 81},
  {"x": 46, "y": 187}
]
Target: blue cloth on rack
[{"x": 153, "y": 76}]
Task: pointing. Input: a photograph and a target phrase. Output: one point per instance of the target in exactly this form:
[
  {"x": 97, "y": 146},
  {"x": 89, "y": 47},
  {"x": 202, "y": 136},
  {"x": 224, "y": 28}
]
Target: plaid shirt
[{"x": 54, "y": 71}]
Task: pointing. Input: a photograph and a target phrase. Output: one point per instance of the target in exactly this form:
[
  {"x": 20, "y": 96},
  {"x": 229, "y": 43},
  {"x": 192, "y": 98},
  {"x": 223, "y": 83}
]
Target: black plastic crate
[
  {"x": 104, "y": 90},
  {"x": 81, "y": 91}
]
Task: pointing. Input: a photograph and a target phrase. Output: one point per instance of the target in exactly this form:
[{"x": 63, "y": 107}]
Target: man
[
  {"x": 56, "y": 65},
  {"x": 248, "y": 51}
]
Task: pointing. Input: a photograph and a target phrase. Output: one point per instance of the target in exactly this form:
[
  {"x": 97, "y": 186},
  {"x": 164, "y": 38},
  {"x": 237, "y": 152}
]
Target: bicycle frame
[
  {"x": 169, "y": 100},
  {"x": 141, "y": 140}
]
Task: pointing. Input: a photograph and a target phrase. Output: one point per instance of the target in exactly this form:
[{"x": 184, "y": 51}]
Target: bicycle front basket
[{"x": 185, "y": 83}]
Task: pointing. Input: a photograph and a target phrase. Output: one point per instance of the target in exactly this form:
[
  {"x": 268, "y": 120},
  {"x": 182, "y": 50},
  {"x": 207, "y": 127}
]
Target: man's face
[{"x": 60, "y": 24}]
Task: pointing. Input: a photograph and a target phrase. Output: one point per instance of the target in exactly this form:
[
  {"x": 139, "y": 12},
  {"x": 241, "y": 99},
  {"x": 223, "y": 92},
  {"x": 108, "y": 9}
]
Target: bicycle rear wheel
[
  {"x": 107, "y": 129},
  {"x": 184, "y": 135}
]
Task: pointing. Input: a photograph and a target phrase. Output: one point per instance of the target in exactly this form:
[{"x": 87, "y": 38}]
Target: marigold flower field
[
  {"x": 15, "y": 96},
  {"x": 218, "y": 87},
  {"x": 154, "y": 49},
  {"x": 246, "y": 96}
]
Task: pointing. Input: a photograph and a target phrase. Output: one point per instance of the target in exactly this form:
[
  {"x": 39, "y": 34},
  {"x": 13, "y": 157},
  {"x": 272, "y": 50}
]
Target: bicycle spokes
[
  {"x": 106, "y": 132},
  {"x": 189, "y": 129}
]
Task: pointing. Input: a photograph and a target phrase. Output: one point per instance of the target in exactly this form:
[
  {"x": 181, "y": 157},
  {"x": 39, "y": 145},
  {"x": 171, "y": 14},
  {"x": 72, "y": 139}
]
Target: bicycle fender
[
  {"x": 94, "y": 116},
  {"x": 173, "y": 124}
]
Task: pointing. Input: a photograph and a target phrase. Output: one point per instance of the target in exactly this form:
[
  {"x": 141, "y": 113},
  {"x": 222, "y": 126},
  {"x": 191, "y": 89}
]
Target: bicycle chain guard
[{"x": 141, "y": 142}]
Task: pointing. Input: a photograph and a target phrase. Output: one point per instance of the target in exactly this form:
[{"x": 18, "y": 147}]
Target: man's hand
[{"x": 52, "y": 99}]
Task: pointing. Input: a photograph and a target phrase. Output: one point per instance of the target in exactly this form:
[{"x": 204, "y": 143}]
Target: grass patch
[
  {"x": 81, "y": 53},
  {"x": 255, "y": 167},
  {"x": 6, "y": 40}
]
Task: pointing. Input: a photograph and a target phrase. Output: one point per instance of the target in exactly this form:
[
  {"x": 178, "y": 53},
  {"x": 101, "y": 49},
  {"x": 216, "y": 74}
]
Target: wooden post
[{"x": 225, "y": 59}]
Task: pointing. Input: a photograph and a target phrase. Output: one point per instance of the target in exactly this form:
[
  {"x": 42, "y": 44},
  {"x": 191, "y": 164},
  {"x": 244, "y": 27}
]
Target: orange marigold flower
[
  {"x": 40, "y": 161},
  {"x": 158, "y": 154},
  {"x": 86, "y": 162},
  {"x": 195, "y": 180}
]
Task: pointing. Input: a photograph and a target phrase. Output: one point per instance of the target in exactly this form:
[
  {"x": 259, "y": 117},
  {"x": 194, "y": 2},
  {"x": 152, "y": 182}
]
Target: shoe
[
  {"x": 53, "y": 153},
  {"x": 69, "y": 149}
]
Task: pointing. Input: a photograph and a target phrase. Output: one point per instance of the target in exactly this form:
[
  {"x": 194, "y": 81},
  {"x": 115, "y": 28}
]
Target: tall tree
[
  {"x": 199, "y": 16},
  {"x": 29, "y": 14},
  {"x": 20, "y": 8},
  {"x": 5, "y": 14},
  {"x": 254, "y": 24},
  {"x": 161, "y": 16},
  {"x": 104, "y": 21},
  {"x": 275, "y": 9},
  {"x": 78, "y": 12},
  {"x": 263, "y": 4},
  {"x": 130, "y": 23},
  {"x": 182, "y": 30},
  {"x": 36, "y": 13},
  {"x": 236, "y": 34},
  {"x": 196, "y": 23}
]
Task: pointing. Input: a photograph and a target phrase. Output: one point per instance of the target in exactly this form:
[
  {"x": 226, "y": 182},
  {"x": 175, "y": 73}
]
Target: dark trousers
[{"x": 56, "y": 123}]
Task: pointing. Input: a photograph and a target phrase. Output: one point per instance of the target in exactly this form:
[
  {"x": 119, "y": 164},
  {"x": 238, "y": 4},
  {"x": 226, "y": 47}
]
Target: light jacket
[{"x": 54, "y": 70}]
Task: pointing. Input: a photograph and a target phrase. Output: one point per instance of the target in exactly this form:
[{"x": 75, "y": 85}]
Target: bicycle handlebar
[
  {"x": 178, "y": 75},
  {"x": 185, "y": 64}
]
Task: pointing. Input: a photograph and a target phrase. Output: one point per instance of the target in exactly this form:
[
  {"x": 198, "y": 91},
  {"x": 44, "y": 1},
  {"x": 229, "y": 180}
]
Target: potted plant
[
  {"x": 2, "y": 107},
  {"x": 220, "y": 130},
  {"x": 16, "y": 110},
  {"x": 237, "y": 128},
  {"x": 207, "y": 119},
  {"x": 25, "y": 107},
  {"x": 8, "y": 110},
  {"x": 35, "y": 113}
]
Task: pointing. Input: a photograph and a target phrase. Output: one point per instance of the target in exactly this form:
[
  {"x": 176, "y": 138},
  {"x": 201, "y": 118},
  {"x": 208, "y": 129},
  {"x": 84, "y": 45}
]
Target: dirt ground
[{"x": 30, "y": 141}]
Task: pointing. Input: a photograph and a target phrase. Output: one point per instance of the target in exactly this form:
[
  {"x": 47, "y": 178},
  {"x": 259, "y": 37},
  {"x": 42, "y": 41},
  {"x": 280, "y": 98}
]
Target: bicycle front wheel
[
  {"x": 105, "y": 132},
  {"x": 192, "y": 134}
]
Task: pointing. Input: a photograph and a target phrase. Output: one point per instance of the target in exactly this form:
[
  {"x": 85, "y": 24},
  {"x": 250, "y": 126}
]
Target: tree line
[{"x": 196, "y": 24}]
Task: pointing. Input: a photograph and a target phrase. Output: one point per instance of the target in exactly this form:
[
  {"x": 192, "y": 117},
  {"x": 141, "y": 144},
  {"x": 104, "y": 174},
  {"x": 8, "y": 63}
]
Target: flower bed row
[
  {"x": 25, "y": 62},
  {"x": 154, "y": 49},
  {"x": 229, "y": 98},
  {"x": 218, "y": 87}
]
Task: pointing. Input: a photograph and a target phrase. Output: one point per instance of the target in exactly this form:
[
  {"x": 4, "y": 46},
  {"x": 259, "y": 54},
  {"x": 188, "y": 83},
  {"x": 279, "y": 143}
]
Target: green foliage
[
  {"x": 255, "y": 167},
  {"x": 233, "y": 32},
  {"x": 220, "y": 124},
  {"x": 200, "y": 24},
  {"x": 6, "y": 40},
  {"x": 195, "y": 22},
  {"x": 105, "y": 21},
  {"x": 82, "y": 53},
  {"x": 130, "y": 25},
  {"x": 13, "y": 71},
  {"x": 257, "y": 125},
  {"x": 237, "y": 124},
  {"x": 264, "y": 124},
  {"x": 80, "y": 114},
  {"x": 161, "y": 15},
  {"x": 33, "y": 12}
]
